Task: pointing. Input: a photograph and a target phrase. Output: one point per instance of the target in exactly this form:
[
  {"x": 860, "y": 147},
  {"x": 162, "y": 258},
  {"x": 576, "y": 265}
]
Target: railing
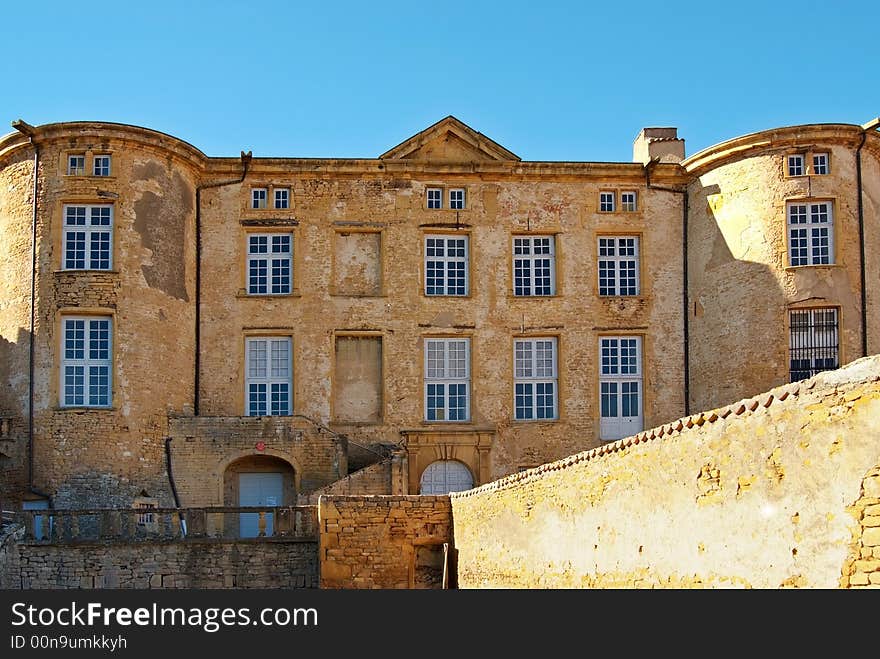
[{"x": 124, "y": 525}]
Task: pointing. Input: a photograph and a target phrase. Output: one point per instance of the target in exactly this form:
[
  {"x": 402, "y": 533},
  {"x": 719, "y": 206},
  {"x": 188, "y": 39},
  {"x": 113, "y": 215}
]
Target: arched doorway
[
  {"x": 445, "y": 476},
  {"x": 258, "y": 480}
]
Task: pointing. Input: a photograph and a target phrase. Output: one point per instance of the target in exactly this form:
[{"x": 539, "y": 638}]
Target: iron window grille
[{"x": 815, "y": 342}]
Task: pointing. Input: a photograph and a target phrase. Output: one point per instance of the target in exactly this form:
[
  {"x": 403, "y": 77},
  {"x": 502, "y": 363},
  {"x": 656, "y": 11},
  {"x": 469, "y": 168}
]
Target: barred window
[
  {"x": 447, "y": 379},
  {"x": 814, "y": 342},
  {"x": 618, "y": 265}
]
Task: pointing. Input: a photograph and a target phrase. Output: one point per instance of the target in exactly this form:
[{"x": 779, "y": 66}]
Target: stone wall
[
  {"x": 383, "y": 541},
  {"x": 10, "y": 536},
  {"x": 775, "y": 491},
  {"x": 375, "y": 479}
]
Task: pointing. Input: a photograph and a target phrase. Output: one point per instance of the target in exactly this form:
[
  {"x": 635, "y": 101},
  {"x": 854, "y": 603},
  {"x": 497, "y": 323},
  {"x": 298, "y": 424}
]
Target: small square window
[
  {"x": 456, "y": 198},
  {"x": 282, "y": 198},
  {"x": 102, "y": 166},
  {"x": 628, "y": 201},
  {"x": 435, "y": 198},
  {"x": 606, "y": 202},
  {"x": 258, "y": 198},
  {"x": 820, "y": 163},
  {"x": 796, "y": 165},
  {"x": 76, "y": 165}
]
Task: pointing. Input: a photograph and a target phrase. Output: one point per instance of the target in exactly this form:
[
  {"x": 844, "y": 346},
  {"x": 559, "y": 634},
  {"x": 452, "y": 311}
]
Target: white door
[
  {"x": 258, "y": 489},
  {"x": 445, "y": 476}
]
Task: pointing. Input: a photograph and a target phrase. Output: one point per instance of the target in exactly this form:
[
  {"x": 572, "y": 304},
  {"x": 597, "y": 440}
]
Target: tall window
[
  {"x": 810, "y": 233},
  {"x": 534, "y": 265},
  {"x": 87, "y": 241},
  {"x": 76, "y": 164},
  {"x": 456, "y": 198},
  {"x": 282, "y": 198},
  {"x": 447, "y": 379},
  {"x": 620, "y": 386},
  {"x": 446, "y": 265},
  {"x": 101, "y": 166},
  {"x": 258, "y": 197},
  {"x": 86, "y": 361},
  {"x": 618, "y": 265},
  {"x": 269, "y": 264},
  {"x": 535, "y": 389},
  {"x": 269, "y": 370},
  {"x": 814, "y": 342},
  {"x": 606, "y": 202},
  {"x": 435, "y": 197}
]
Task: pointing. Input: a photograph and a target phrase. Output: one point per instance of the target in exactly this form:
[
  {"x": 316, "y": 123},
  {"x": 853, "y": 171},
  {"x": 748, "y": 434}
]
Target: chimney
[{"x": 662, "y": 144}]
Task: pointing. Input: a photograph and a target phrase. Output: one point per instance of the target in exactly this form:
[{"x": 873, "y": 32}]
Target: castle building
[{"x": 184, "y": 330}]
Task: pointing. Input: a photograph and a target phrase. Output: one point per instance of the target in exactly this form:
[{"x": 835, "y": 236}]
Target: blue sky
[{"x": 549, "y": 80}]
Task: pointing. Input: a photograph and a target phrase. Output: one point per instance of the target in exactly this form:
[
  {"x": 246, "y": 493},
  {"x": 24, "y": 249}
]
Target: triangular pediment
[{"x": 449, "y": 141}]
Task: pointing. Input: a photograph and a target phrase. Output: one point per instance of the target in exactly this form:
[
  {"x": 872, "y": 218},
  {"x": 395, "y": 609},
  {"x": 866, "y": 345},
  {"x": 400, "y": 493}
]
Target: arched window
[{"x": 445, "y": 476}]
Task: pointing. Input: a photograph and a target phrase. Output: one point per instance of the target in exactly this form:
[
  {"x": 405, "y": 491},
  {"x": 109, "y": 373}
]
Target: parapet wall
[{"x": 781, "y": 490}]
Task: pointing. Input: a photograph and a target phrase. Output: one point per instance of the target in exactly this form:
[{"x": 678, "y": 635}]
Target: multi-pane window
[
  {"x": 447, "y": 379},
  {"x": 534, "y": 265},
  {"x": 269, "y": 264},
  {"x": 85, "y": 361},
  {"x": 620, "y": 386},
  {"x": 606, "y": 202},
  {"x": 456, "y": 198},
  {"x": 820, "y": 163},
  {"x": 76, "y": 164},
  {"x": 795, "y": 165},
  {"x": 810, "y": 233},
  {"x": 258, "y": 197},
  {"x": 282, "y": 198},
  {"x": 815, "y": 342},
  {"x": 268, "y": 384},
  {"x": 88, "y": 237},
  {"x": 101, "y": 166},
  {"x": 535, "y": 383},
  {"x": 435, "y": 197},
  {"x": 446, "y": 267},
  {"x": 628, "y": 201},
  {"x": 618, "y": 265}
]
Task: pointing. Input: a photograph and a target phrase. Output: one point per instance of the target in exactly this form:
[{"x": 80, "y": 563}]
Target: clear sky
[{"x": 547, "y": 79}]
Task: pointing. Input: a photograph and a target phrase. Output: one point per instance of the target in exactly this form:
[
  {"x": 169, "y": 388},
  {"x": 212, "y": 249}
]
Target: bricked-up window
[
  {"x": 820, "y": 164},
  {"x": 435, "y": 197},
  {"x": 795, "y": 165},
  {"x": 456, "y": 198},
  {"x": 814, "y": 342},
  {"x": 606, "y": 202},
  {"x": 357, "y": 379},
  {"x": 535, "y": 385},
  {"x": 620, "y": 386},
  {"x": 269, "y": 372},
  {"x": 447, "y": 379},
  {"x": 86, "y": 361},
  {"x": 810, "y": 233},
  {"x": 270, "y": 264},
  {"x": 618, "y": 265},
  {"x": 76, "y": 164},
  {"x": 87, "y": 242},
  {"x": 282, "y": 198},
  {"x": 259, "y": 197},
  {"x": 101, "y": 165},
  {"x": 446, "y": 265},
  {"x": 534, "y": 266},
  {"x": 628, "y": 201}
]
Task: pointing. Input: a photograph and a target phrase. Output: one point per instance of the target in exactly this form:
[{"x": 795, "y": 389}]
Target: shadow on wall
[{"x": 13, "y": 417}]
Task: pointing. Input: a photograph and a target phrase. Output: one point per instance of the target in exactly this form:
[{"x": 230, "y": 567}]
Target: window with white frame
[
  {"x": 76, "y": 164},
  {"x": 101, "y": 165},
  {"x": 628, "y": 201},
  {"x": 535, "y": 383},
  {"x": 456, "y": 198},
  {"x": 820, "y": 163},
  {"x": 620, "y": 386},
  {"x": 270, "y": 264},
  {"x": 795, "y": 164},
  {"x": 282, "y": 198},
  {"x": 446, "y": 265},
  {"x": 87, "y": 242},
  {"x": 810, "y": 233},
  {"x": 447, "y": 379},
  {"x": 534, "y": 265},
  {"x": 259, "y": 197},
  {"x": 435, "y": 197},
  {"x": 606, "y": 202},
  {"x": 269, "y": 370},
  {"x": 618, "y": 265},
  {"x": 86, "y": 361},
  {"x": 815, "y": 343}
]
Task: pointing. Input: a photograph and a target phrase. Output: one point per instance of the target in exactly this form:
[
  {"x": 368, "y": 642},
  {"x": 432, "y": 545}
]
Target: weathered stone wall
[
  {"x": 383, "y": 541},
  {"x": 375, "y": 479},
  {"x": 190, "y": 564},
  {"x": 775, "y": 491},
  {"x": 10, "y": 574}
]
